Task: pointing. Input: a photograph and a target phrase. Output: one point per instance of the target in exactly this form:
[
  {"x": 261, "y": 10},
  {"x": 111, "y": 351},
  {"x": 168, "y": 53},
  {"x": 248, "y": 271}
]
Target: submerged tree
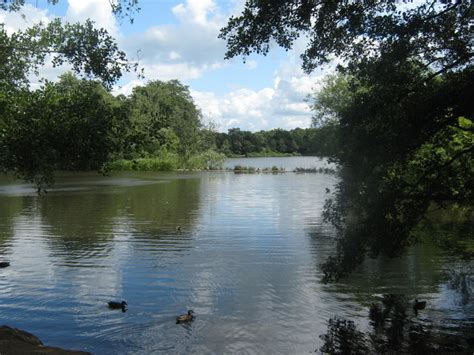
[{"x": 403, "y": 105}]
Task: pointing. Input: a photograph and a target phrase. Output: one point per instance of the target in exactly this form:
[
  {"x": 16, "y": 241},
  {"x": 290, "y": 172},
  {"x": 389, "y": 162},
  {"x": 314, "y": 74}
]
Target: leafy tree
[
  {"x": 72, "y": 125},
  {"x": 320, "y": 141},
  {"x": 88, "y": 50},
  {"x": 403, "y": 107},
  {"x": 165, "y": 105},
  {"x": 34, "y": 124},
  {"x": 357, "y": 32}
]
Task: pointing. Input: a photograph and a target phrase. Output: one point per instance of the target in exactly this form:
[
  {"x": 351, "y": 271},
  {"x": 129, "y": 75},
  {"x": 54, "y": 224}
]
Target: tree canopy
[
  {"x": 164, "y": 114},
  {"x": 66, "y": 125},
  {"x": 438, "y": 32}
]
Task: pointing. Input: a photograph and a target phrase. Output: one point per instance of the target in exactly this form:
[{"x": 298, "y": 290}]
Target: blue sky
[{"x": 177, "y": 39}]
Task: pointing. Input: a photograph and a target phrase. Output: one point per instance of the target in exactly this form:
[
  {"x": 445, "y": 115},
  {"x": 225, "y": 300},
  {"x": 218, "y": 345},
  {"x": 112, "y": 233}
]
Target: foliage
[
  {"x": 88, "y": 50},
  {"x": 208, "y": 160},
  {"x": 396, "y": 165},
  {"x": 321, "y": 141},
  {"x": 336, "y": 97},
  {"x": 166, "y": 161},
  {"x": 72, "y": 125},
  {"x": 164, "y": 115},
  {"x": 163, "y": 163},
  {"x": 355, "y": 31}
]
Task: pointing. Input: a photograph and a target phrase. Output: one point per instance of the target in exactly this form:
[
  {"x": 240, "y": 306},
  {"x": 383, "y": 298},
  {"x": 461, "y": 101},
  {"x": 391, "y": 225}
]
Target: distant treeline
[{"x": 310, "y": 141}]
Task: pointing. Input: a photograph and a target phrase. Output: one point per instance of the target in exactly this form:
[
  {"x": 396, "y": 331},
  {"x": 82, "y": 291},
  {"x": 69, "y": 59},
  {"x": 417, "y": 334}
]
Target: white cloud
[
  {"x": 97, "y": 10},
  {"x": 195, "y": 11},
  {"x": 192, "y": 43},
  {"x": 174, "y": 55},
  {"x": 27, "y": 17},
  {"x": 283, "y": 105},
  {"x": 127, "y": 88},
  {"x": 252, "y": 110},
  {"x": 251, "y": 64}
]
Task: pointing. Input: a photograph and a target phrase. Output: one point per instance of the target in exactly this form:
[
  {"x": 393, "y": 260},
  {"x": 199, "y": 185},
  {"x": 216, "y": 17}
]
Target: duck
[
  {"x": 178, "y": 229},
  {"x": 118, "y": 305},
  {"x": 376, "y": 314},
  {"x": 185, "y": 318},
  {"x": 4, "y": 264},
  {"x": 419, "y": 305}
]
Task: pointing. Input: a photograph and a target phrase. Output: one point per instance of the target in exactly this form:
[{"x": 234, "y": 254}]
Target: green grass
[
  {"x": 209, "y": 160},
  {"x": 263, "y": 154}
]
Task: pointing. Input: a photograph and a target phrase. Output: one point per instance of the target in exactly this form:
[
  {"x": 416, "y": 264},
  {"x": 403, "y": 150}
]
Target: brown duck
[{"x": 185, "y": 318}]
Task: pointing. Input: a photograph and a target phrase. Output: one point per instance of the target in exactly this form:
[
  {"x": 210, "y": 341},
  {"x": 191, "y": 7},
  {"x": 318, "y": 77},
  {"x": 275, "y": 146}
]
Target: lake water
[{"x": 246, "y": 261}]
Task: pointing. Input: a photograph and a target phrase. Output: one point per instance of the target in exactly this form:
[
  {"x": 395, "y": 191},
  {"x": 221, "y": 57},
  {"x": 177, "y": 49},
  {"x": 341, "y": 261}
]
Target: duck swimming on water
[
  {"x": 418, "y": 306},
  {"x": 118, "y": 305},
  {"x": 185, "y": 318},
  {"x": 4, "y": 264}
]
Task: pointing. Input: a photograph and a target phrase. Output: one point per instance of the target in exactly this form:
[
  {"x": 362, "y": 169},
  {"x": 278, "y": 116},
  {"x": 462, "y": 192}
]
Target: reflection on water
[{"x": 245, "y": 260}]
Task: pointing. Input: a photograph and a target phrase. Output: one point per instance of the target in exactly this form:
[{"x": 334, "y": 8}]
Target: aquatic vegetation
[
  {"x": 239, "y": 169},
  {"x": 321, "y": 170}
]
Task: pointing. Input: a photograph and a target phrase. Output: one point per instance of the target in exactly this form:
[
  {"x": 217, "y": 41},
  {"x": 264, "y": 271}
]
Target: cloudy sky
[{"x": 177, "y": 39}]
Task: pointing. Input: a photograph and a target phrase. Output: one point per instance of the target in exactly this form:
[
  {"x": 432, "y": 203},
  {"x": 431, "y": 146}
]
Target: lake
[{"x": 246, "y": 260}]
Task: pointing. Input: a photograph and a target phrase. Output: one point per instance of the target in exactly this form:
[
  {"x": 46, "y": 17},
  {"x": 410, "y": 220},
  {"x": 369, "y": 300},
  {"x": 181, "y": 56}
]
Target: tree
[
  {"x": 357, "y": 32},
  {"x": 27, "y": 117},
  {"x": 72, "y": 125},
  {"x": 404, "y": 108},
  {"x": 165, "y": 105}
]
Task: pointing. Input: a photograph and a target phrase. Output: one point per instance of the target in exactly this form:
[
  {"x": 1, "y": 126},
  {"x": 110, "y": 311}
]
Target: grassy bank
[
  {"x": 264, "y": 154},
  {"x": 209, "y": 160}
]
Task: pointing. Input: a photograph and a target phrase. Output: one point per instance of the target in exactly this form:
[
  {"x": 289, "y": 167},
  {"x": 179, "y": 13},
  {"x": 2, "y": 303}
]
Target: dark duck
[
  {"x": 118, "y": 305},
  {"x": 418, "y": 306}
]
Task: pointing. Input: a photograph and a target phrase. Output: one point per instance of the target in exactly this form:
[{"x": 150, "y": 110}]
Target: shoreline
[{"x": 17, "y": 341}]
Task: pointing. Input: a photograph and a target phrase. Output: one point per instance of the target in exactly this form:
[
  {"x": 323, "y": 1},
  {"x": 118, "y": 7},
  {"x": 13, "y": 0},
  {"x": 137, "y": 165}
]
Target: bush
[{"x": 165, "y": 161}]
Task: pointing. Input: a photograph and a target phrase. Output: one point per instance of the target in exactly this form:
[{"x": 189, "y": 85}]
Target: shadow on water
[
  {"x": 84, "y": 222},
  {"x": 425, "y": 272}
]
